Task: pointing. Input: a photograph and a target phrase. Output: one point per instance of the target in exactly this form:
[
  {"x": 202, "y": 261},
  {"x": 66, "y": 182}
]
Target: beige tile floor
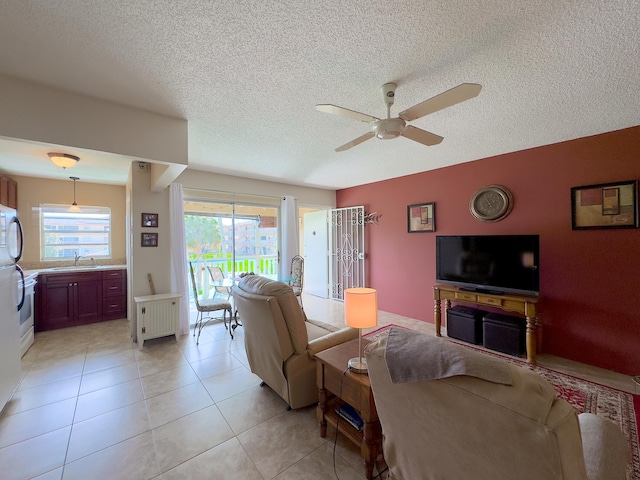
[{"x": 93, "y": 406}]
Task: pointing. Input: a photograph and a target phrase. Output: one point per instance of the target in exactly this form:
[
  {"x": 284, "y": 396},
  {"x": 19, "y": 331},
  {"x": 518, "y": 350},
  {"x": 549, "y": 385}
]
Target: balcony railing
[{"x": 260, "y": 265}]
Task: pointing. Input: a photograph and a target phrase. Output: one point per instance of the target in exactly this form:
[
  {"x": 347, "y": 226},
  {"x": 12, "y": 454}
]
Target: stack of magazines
[{"x": 348, "y": 413}]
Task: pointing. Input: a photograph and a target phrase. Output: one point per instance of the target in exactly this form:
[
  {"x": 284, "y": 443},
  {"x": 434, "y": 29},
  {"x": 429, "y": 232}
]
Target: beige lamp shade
[{"x": 361, "y": 307}]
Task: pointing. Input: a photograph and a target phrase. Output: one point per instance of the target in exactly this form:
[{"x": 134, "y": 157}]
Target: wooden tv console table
[{"x": 520, "y": 304}]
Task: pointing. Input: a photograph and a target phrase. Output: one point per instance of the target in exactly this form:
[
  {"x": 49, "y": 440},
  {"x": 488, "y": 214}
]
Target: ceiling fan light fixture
[
  {"x": 63, "y": 160},
  {"x": 388, "y": 128}
]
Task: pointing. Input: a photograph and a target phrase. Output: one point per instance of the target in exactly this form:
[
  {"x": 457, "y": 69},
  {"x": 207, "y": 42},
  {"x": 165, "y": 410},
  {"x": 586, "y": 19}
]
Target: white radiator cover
[{"x": 157, "y": 316}]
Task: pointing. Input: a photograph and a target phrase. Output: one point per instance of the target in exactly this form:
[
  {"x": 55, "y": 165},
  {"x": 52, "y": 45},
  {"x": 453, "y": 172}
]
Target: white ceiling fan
[{"x": 388, "y": 128}]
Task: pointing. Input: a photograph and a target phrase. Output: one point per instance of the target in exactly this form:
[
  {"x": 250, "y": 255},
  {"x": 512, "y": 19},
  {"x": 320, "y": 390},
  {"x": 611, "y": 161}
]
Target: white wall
[
  {"x": 43, "y": 114},
  {"x": 153, "y": 260},
  {"x": 306, "y": 196}
]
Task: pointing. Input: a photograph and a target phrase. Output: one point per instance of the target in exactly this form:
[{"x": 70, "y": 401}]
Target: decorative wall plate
[{"x": 491, "y": 203}]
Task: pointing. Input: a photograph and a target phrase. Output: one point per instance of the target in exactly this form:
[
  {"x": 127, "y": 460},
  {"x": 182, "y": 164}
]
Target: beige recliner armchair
[
  {"x": 280, "y": 341},
  {"x": 451, "y": 413}
]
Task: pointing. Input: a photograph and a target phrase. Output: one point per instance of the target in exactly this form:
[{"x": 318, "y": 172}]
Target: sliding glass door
[
  {"x": 255, "y": 245},
  {"x": 237, "y": 238}
]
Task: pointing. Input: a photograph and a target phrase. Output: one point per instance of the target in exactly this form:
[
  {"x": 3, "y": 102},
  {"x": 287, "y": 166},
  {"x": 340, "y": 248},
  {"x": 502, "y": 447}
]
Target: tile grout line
[{"x": 75, "y": 409}]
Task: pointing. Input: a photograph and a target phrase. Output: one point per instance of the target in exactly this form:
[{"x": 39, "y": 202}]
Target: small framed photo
[
  {"x": 149, "y": 240},
  {"x": 607, "y": 205},
  {"x": 149, "y": 219},
  {"x": 421, "y": 217}
]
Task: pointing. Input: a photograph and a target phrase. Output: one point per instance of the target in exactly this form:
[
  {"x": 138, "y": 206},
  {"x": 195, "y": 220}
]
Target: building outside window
[{"x": 68, "y": 232}]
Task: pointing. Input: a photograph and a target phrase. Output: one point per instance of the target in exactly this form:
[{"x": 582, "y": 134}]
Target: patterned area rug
[{"x": 585, "y": 396}]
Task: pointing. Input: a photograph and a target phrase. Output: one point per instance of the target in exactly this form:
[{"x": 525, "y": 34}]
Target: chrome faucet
[{"x": 76, "y": 257}]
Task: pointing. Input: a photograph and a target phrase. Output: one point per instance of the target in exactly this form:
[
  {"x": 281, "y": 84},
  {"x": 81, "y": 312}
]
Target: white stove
[{"x": 27, "y": 312}]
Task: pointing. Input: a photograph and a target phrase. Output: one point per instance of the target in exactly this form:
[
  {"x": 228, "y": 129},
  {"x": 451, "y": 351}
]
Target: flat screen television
[{"x": 490, "y": 263}]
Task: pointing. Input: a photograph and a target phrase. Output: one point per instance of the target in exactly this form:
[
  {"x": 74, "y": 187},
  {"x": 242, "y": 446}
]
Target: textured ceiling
[{"x": 247, "y": 75}]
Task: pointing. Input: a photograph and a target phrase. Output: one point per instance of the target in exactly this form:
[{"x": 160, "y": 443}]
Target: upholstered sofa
[
  {"x": 281, "y": 341},
  {"x": 450, "y": 413}
]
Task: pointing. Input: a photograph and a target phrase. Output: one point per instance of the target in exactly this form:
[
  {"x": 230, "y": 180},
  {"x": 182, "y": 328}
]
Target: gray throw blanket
[{"x": 413, "y": 356}]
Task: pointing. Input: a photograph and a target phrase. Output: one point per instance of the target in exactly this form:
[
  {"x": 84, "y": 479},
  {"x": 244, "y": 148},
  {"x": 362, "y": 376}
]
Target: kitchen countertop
[{"x": 71, "y": 269}]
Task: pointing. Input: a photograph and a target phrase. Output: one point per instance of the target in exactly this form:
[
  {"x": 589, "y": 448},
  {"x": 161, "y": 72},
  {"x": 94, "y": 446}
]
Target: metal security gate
[{"x": 346, "y": 249}]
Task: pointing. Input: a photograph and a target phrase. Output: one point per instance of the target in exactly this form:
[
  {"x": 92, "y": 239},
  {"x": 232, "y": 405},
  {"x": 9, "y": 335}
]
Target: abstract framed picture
[
  {"x": 607, "y": 205},
  {"x": 149, "y": 219},
  {"x": 149, "y": 240},
  {"x": 421, "y": 217}
]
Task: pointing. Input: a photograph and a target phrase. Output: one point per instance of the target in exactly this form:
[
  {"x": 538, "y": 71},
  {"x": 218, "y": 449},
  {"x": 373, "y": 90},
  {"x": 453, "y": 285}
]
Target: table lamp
[{"x": 360, "y": 311}]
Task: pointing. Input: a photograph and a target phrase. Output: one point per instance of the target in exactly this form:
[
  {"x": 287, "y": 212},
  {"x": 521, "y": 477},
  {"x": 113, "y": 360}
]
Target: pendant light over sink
[{"x": 74, "y": 206}]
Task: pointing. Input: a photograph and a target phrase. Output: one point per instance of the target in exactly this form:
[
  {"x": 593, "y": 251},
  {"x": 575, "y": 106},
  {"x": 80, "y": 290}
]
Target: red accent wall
[{"x": 589, "y": 279}]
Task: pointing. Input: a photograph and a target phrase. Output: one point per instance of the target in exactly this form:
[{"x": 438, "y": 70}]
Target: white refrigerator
[{"x": 11, "y": 242}]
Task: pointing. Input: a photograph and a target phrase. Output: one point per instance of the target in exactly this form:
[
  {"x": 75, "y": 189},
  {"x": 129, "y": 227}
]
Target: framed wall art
[
  {"x": 607, "y": 205},
  {"x": 149, "y": 219},
  {"x": 421, "y": 217},
  {"x": 149, "y": 240}
]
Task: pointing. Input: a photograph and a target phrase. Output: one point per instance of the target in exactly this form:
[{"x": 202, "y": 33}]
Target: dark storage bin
[
  {"x": 465, "y": 323},
  {"x": 504, "y": 333}
]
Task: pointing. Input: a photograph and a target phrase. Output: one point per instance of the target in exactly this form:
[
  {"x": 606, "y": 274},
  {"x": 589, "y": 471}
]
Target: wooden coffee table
[{"x": 337, "y": 387}]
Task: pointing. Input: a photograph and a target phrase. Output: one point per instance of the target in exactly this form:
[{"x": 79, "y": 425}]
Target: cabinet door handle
[{"x": 113, "y": 288}]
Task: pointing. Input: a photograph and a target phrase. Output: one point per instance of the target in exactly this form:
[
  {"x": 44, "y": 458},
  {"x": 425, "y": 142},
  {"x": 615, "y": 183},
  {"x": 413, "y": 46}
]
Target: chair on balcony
[
  {"x": 297, "y": 277},
  {"x": 206, "y": 306},
  {"x": 217, "y": 277}
]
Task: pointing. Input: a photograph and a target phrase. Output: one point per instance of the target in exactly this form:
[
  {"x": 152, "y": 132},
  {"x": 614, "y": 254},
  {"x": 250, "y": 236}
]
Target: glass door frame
[{"x": 232, "y": 267}]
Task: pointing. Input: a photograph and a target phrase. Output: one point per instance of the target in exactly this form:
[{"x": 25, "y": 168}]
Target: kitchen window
[{"x": 68, "y": 232}]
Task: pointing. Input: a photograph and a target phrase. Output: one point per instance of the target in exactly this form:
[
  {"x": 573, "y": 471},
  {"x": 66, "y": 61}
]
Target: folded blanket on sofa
[{"x": 412, "y": 356}]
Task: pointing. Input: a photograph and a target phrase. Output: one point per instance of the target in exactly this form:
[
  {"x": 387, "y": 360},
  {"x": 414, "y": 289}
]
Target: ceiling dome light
[{"x": 63, "y": 160}]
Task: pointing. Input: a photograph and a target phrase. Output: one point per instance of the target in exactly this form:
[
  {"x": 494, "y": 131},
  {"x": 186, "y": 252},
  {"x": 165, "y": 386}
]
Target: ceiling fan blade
[
  {"x": 421, "y": 136},
  {"x": 345, "y": 112},
  {"x": 355, "y": 142},
  {"x": 446, "y": 99}
]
